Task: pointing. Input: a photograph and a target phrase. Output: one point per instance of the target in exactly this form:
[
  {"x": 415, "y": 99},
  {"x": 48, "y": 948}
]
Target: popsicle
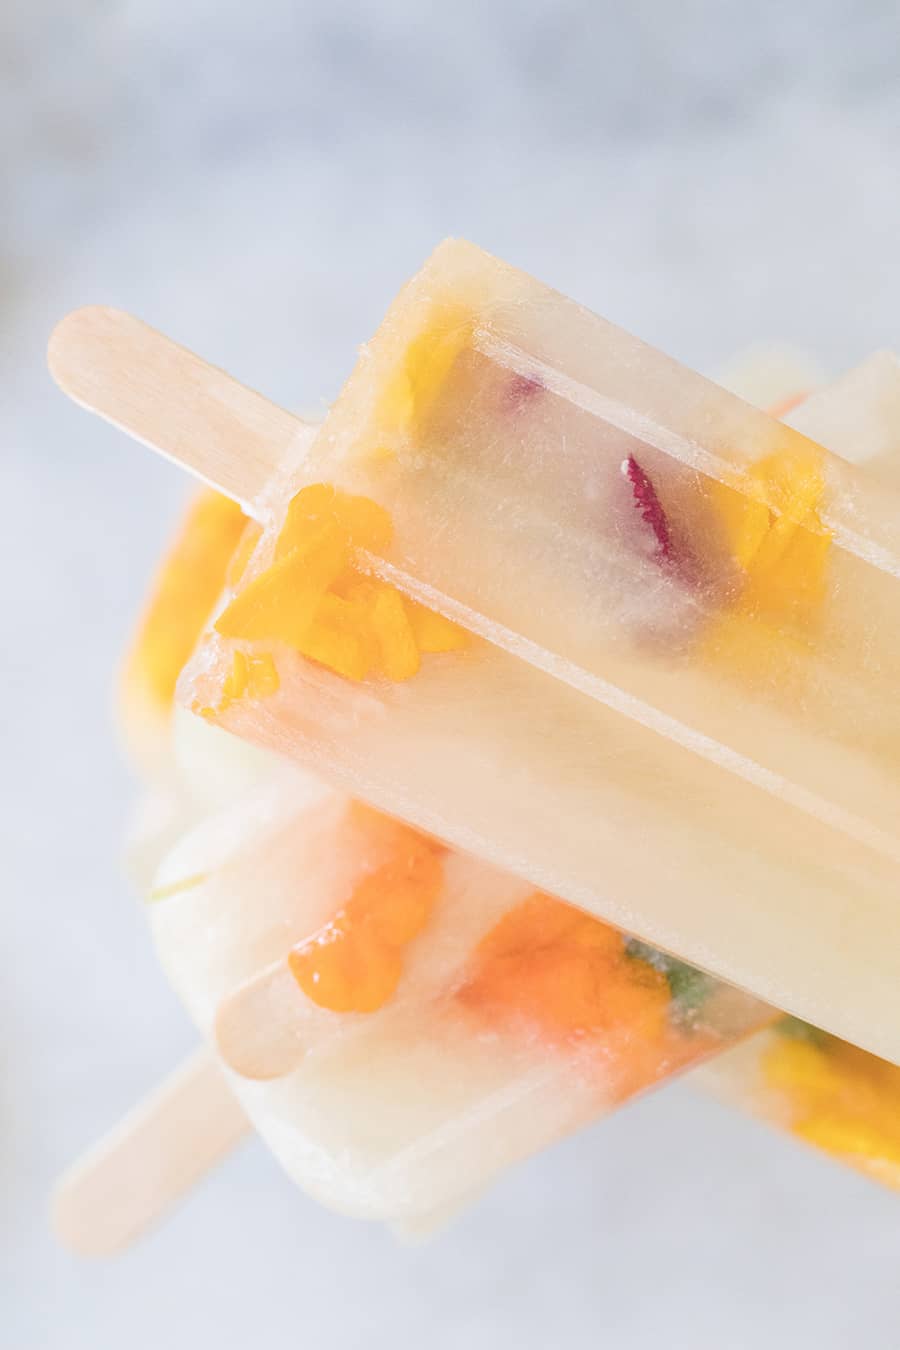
[
  {"x": 317, "y": 943},
  {"x": 401, "y": 1032},
  {"x": 268, "y": 1016},
  {"x": 511, "y": 990},
  {"x": 673, "y": 701},
  {"x": 510, "y": 1021}
]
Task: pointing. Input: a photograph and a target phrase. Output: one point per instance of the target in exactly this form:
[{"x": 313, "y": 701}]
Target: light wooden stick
[
  {"x": 191, "y": 412},
  {"x": 234, "y": 439},
  {"x": 260, "y": 1027},
  {"x": 152, "y": 1157}
]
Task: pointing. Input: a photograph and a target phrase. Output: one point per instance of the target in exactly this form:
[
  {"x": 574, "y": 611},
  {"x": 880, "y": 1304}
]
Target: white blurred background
[{"x": 257, "y": 180}]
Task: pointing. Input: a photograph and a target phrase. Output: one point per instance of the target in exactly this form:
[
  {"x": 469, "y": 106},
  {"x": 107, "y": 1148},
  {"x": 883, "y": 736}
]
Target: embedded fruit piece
[
  {"x": 347, "y": 970},
  {"x": 551, "y": 964},
  {"x": 849, "y": 1138},
  {"x": 280, "y": 603},
  {"x": 398, "y": 655},
  {"x": 548, "y": 967},
  {"x": 187, "y": 587},
  {"x": 774, "y": 531},
  {"x": 647, "y": 502},
  {"x": 839, "y": 1098},
  {"x": 362, "y": 521},
  {"x": 251, "y": 676},
  {"x": 781, "y": 548},
  {"x": 434, "y": 633},
  {"x": 314, "y": 598},
  {"x": 411, "y": 393},
  {"x": 338, "y": 638},
  {"x": 355, "y": 962}
]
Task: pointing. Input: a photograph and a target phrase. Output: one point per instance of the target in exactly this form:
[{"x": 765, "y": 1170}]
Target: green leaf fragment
[
  {"x": 688, "y": 986},
  {"x": 802, "y": 1031}
]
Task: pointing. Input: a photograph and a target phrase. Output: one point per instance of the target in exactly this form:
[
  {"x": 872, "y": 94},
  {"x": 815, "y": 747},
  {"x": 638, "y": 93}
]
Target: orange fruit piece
[
  {"x": 432, "y": 632},
  {"x": 281, "y": 602},
  {"x": 418, "y": 381},
  {"x": 314, "y": 599},
  {"x": 355, "y": 963},
  {"x": 338, "y": 638},
  {"x": 549, "y": 963},
  {"x": 365, "y": 523},
  {"x": 398, "y": 654},
  {"x": 186, "y": 589},
  {"x": 347, "y": 970}
]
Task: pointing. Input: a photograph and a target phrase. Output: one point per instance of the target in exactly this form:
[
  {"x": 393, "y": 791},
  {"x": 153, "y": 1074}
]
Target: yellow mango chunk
[
  {"x": 434, "y": 633},
  {"x": 365, "y": 523},
  {"x": 745, "y": 523},
  {"x": 848, "y": 1137},
  {"x": 777, "y": 540},
  {"x": 410, "y": 394},
  {"x": 781, "y": 494},
  {"x": 398, "y": 654},
  {"x": 186, "y": 589},
  {"x": 251, "y": 675},
  {"x": 338, "y": 638},
  {"x": 839, "y": 1098},
  {"x": 791, "y": 483},
  {"x": 314, "y": 599},
  {"x": 800, "y": 1066},
  {"x": 280, "y": 603},
  {"x": 787, "y": 577}
]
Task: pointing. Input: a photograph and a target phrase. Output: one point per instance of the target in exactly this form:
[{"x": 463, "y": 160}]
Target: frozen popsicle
[
  {"x": 403, "y": 1031},
  {"x": 317, "y": 942},
  {"x": 516, "y": 984},
  {"x": 268, "y": 1028},
  {"x": 666, "y": 629},
  {"x": 329, "y": 940}
]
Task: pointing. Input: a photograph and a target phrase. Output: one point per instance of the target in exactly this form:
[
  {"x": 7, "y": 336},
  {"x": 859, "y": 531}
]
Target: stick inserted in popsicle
[{"x": 156, "y": 1153}]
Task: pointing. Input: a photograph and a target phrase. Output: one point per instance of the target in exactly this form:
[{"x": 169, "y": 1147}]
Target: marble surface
[{"x": 257, "y": 180}]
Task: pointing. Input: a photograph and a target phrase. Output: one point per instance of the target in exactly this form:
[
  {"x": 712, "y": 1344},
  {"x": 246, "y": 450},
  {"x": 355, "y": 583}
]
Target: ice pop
[
  {"x": 317, "y": 942},
  {"x": 673, "y": 700},
  {"x": 506, "y": 1020},
  {"x": 403, "y": 1032},
  {"x": 270, "y": 1019},
  {"x": 513, "y": 987}
]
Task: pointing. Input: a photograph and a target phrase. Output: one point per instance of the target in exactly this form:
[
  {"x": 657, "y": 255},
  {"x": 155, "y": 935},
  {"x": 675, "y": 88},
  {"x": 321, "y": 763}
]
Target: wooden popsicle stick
[
  {"x": 161, "y": 394},
  {"x": 149, "y": 1160},
  {"x": 260, "y": 1028}
]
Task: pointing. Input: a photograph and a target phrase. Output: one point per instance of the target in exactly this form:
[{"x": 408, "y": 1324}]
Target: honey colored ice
[{"x": 675, "y": 701}]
